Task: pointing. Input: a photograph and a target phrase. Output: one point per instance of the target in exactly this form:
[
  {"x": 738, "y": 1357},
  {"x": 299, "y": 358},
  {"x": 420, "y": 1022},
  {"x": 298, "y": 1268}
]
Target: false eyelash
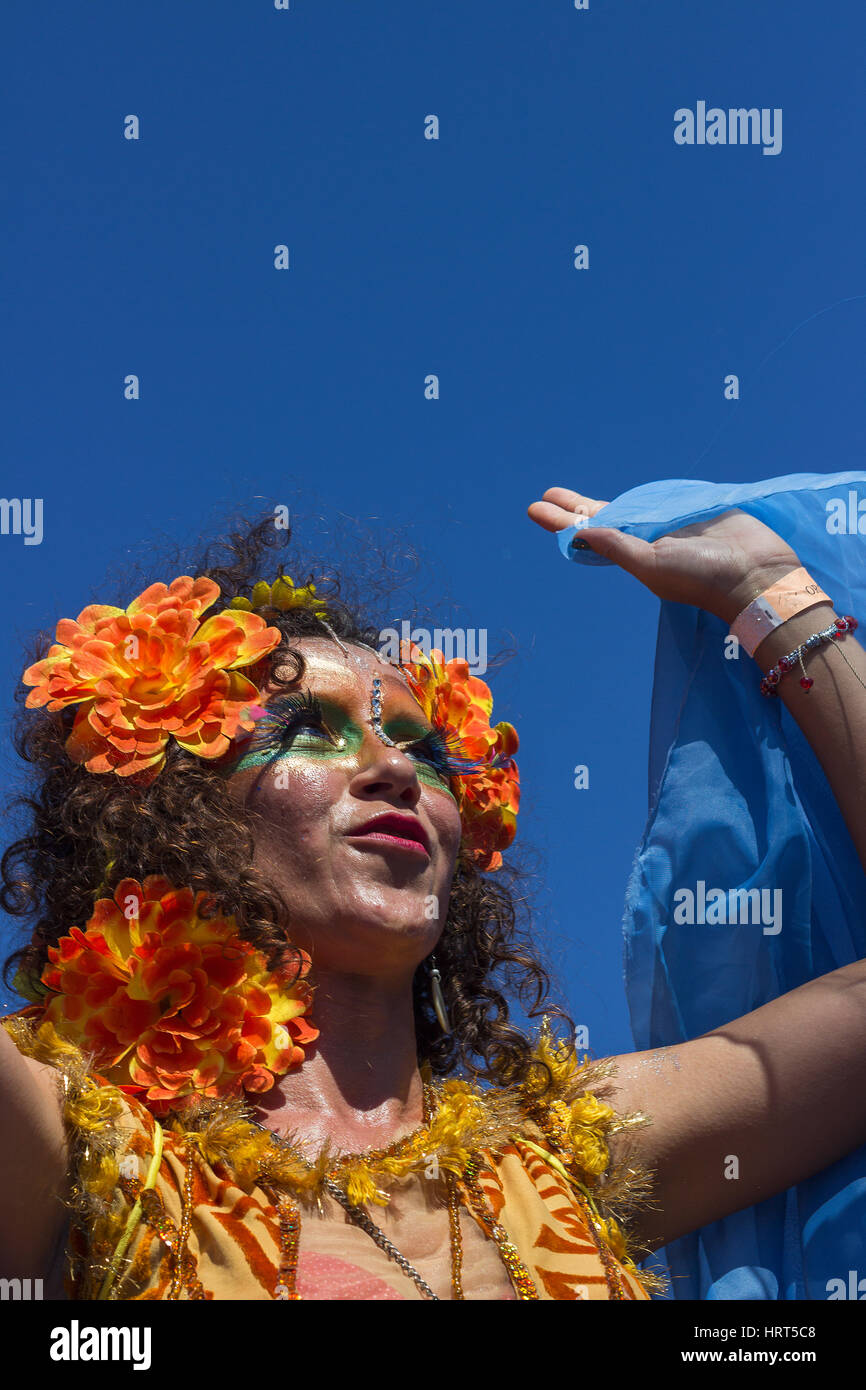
[
  {"x": 284, "y": 715},
  {"x": 443, "y": 753},
  {"x": 288, "y": 712}
]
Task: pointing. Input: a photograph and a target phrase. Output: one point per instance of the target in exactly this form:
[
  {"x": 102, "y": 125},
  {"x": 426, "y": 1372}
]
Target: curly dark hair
[{"x": 185, "y": 826}]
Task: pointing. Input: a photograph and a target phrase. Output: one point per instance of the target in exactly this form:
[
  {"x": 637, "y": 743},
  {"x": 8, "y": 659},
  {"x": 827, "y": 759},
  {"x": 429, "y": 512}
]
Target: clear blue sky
[{"x": 408, "y": 257}]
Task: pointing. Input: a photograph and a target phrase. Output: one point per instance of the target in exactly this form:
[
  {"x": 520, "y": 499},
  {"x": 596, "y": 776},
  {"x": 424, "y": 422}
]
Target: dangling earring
[{"x": 438, "y": 997}]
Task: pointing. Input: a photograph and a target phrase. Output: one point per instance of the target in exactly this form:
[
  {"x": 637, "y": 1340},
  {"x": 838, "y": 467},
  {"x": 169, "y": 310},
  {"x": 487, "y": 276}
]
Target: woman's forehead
[{"x": 331, "y": 671}]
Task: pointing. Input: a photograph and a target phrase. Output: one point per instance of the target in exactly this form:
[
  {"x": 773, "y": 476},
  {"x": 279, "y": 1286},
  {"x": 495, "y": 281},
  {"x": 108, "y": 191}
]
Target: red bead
[
  {"x": 852, "y": 624},
  {"x": 806, "y": 682},
  {"x": 842, "y": 623}
]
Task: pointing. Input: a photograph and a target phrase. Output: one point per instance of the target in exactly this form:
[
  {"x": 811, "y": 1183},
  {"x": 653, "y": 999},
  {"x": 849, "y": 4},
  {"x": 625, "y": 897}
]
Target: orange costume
[{"x": 192, "y": 1210}]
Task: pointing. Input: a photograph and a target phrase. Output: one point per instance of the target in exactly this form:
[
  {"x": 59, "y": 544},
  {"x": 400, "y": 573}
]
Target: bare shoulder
[
  {"x": 33, "y": 1163},
  {"x": 30, "y": 1086}
]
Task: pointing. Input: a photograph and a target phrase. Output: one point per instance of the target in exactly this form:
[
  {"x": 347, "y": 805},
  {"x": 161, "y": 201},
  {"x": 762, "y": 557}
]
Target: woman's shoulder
[
  {"x": 567, "y": 1100},
  {"x": 88, "y": 1100},
  {"x": 34, "y": 1160},
  {"x": 113, "y": 1143}
]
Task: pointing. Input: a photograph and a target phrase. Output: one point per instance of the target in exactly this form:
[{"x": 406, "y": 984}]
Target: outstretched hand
[{"x": 718, "y": 565}]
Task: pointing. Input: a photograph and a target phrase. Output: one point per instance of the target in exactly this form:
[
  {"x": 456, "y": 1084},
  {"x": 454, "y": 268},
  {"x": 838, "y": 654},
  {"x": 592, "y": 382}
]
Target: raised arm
[
  {"x": 751, "y": 1108},
  {"x": 33, "y": 1164},
  {"x": 721, "y": 566},
  {"x": 769, "y": 1099}
]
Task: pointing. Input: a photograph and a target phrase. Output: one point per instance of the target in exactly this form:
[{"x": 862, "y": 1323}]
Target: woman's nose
[{"x": 386, "y": 771}]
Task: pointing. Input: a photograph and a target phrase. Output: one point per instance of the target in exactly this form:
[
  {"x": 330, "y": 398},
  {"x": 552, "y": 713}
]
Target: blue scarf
[{"x": 737, "y": 799}]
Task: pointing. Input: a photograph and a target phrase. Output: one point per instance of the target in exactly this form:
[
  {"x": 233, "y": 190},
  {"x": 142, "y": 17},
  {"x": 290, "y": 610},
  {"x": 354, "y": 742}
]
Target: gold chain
[
  {"x": 456, "y": 1238},
  {"x": 517, "y": 1271},
  {"x": 290, "y": 1224}
]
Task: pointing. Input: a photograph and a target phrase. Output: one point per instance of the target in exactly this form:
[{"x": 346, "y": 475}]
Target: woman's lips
[
  {"x": 390, "y": 842},
  {"x": 392, "y": 832}
]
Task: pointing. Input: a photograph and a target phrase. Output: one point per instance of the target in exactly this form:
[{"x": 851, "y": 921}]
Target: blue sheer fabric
[{"x": 738, "y": 800}]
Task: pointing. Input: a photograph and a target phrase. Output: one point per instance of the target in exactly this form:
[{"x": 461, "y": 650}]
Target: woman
[{"x": 371, "y": 806}]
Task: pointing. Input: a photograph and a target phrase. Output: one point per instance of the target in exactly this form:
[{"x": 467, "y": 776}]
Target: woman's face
[{"x": 366, "y": 895}]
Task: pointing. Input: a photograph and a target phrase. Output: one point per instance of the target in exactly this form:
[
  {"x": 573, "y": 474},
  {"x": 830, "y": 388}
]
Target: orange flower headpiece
[
  {"x": 150, "y": 673},
  {"x": 488, "y": 791},
  {"x": 171, "y": 1002},
  {"x": 155, "y": 671}
]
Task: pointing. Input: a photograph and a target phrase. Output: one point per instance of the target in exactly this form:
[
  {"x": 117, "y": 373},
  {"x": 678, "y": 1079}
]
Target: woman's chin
[{"x": 373, "y": 940}]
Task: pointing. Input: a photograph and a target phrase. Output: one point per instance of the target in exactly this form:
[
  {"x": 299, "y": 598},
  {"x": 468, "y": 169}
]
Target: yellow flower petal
[
  {"x": 261, "y": 595},
  {"x": 282, "y": 593}
]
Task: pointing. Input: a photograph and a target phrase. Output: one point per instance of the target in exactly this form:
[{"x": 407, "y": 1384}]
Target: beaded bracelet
[{"x": 838, "y": 628}]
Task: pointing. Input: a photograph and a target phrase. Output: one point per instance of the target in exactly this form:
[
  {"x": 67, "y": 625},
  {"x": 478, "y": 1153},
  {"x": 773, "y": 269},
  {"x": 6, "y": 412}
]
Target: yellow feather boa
[{"x": 566, "y": 1124}]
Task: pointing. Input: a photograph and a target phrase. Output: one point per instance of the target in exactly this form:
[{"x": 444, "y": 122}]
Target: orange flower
[
  {"x": 173, "y": 1003},
  {"x": 149, "y": 673},
  {"x": 460, "y": 705}
]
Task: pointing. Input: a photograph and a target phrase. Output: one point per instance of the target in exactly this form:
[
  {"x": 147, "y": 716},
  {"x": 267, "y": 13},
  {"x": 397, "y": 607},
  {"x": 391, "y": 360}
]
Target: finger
[
  {"x": 550, "y": 517},
  {"x": 562, "y": 507},
  {"x": 632, "y": 554},
  {"x": 573, "y": 501}
]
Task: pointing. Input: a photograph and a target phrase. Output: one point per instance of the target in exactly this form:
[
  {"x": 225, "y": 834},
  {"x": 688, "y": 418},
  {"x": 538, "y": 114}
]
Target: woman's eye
[
  {"x": 428, "y": 757},
  {"x": 423, "y": 754},
  {"x": 308, "y": 726},
  {"x": 296, "y": 718}
]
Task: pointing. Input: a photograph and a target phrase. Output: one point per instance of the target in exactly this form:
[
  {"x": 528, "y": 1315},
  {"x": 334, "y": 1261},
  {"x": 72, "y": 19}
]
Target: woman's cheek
[
  {"x": 442, "y": 812},
  {"x": 297, "y": 793}
]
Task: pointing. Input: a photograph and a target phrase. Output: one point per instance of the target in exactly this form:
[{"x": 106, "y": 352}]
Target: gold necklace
[
  {"x": 290, "y": 1217},
  {"x": 290, "y": 1221}
]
